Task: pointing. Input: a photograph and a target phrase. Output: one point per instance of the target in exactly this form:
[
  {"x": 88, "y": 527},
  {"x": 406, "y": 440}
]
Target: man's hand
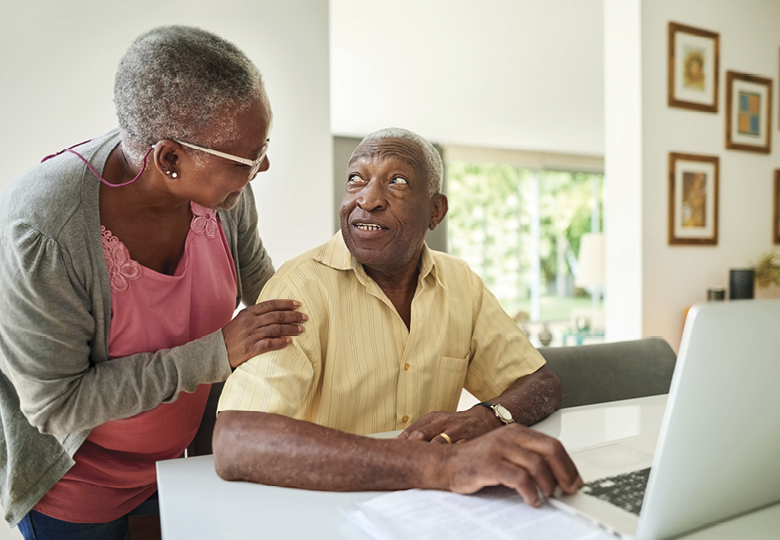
[
  {"x": 459, "y": 426},
  {"x": 261, "y": 328},
  {"x": 515, "y": 456}
]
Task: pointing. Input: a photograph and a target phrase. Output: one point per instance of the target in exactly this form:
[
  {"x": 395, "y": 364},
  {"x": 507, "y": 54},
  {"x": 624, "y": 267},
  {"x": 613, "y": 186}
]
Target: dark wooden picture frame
[
  {"x": 748, "y": 101},
  {"x": 693, "y": 199},
  {"x": 776, "y": 213},
  {"x": 693, "y": 68}
]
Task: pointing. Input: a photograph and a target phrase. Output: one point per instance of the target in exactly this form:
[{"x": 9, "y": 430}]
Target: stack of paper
[{"x": 493, "y": 513}]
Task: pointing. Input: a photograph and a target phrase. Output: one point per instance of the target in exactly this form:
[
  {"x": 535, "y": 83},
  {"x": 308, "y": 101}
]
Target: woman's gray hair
[
  {"x": 434, "y": 168},
  {"x": 182, "y": 83}
]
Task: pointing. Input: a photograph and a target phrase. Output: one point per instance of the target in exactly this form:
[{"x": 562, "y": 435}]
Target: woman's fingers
[
  {"x": 274, "y": 305},
  {"x": 264, "y": 327},
  {"x": 272, "y": 344}
]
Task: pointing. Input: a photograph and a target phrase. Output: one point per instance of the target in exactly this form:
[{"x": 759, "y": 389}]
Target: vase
[{"x": 545, "y": 337}]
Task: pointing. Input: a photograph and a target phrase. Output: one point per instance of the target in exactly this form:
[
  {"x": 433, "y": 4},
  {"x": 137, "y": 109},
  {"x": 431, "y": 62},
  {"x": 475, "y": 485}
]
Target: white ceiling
[{"x": 512, "y": 74}]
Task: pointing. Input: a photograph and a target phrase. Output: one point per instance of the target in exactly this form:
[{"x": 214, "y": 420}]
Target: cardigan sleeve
[
  {"x": 46, "y": 331},
  {"x": 253, "y": 265}
]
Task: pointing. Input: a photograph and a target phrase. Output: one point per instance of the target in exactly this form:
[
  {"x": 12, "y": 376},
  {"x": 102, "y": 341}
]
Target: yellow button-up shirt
[{"x": 357, "y": 367}]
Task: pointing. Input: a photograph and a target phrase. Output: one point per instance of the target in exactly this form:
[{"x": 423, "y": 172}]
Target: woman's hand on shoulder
[{"x": 267, "y": 326}]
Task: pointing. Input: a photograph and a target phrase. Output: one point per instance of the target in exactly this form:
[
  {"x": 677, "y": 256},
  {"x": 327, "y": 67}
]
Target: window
[{"x": 520, "y": 229}]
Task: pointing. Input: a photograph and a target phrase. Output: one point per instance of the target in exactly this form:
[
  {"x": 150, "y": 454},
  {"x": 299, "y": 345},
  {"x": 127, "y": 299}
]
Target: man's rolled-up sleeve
[{"x": 501, "y": 353}]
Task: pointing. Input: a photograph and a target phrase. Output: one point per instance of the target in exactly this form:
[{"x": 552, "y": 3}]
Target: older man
[{"x": 395, "y": 332}]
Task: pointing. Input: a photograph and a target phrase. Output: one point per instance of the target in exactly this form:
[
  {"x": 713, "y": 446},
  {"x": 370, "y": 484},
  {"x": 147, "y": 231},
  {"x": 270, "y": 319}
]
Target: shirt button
[
  {"x": 405, "y": 418},
  {"x": 406, "y": 367}
]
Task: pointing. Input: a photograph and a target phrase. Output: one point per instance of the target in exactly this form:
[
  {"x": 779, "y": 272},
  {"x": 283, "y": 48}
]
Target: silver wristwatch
[{"x": 500, "y": 411}]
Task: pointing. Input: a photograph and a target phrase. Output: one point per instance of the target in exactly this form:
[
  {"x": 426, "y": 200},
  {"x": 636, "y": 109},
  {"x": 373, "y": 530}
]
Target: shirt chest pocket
[
  {"x": 443, "y": 383},
  {"x": 453, "y": 365}
]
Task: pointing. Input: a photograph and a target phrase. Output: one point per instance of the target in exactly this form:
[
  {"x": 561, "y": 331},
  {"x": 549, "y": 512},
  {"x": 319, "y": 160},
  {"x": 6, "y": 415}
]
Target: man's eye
[
  {"x": 399, "y": 180},
  {"x": 353, "y": 178}
]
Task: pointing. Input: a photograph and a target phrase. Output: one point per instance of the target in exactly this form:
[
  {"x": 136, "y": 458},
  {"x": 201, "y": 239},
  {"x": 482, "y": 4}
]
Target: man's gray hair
[
  {"x": 434, "y": 168},
  {"x": 182, "y": 83}
]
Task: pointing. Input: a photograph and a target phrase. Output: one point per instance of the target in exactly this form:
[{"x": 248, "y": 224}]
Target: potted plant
[{"x": 767, "y": 276}]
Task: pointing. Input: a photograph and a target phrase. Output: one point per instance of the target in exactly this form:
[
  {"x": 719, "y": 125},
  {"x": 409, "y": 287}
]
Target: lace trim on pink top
[
  {"x": 204, "y": 221},
  {"x": 122, "y": 269}
]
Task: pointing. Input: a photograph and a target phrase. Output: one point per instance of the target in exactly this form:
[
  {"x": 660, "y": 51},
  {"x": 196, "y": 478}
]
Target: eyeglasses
[{"x": 253, "y": 164}]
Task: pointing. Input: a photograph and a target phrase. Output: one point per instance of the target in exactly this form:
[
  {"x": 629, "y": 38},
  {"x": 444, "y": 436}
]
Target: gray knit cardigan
[{"x": 56, "y": 379}]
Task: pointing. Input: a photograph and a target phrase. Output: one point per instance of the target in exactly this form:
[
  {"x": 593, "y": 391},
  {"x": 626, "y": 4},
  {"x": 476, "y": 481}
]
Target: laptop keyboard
[{"x": 625, "y": 491}]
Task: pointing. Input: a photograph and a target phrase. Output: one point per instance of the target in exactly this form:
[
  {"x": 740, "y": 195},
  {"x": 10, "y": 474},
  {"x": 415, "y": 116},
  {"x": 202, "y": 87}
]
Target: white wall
[
  {"x": 58, "y": 61},
  {"x": 519, "y": 74},
  {"x": 674, "y": 277},
  {"x": 623, "y": 169}
]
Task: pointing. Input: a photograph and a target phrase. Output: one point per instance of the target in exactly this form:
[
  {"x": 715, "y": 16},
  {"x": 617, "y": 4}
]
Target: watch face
[{"x": 503, "y": 413}]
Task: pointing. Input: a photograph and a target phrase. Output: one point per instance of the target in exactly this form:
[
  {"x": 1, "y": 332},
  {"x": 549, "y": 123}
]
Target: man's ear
[{"x": 440, "y": 207}]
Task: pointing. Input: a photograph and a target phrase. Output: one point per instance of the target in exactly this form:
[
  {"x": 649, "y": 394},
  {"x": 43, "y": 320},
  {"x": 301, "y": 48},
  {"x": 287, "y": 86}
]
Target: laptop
[{"x": 716, "y": 453}]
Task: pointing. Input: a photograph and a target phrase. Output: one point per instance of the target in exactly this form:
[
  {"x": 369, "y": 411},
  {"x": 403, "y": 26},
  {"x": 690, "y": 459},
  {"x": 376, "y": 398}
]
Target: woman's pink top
[{"x": 115, "y": 466}]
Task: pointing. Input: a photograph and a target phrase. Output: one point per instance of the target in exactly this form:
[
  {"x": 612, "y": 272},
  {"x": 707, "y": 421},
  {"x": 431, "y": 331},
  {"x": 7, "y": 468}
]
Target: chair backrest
[{"x": 612, "y": 371}]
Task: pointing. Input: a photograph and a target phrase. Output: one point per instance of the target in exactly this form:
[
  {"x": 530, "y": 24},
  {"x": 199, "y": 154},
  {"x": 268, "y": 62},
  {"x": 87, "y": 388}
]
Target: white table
[{"x": 196, "y": 504}]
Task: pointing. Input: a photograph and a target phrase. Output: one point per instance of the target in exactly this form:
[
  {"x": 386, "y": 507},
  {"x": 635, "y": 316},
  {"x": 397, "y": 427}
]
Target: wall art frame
[
  {"x": 748, "y": 112},
  {"x": 693, "y": 68},
  {"x": 776, "y": 207},
  {"x": 693, "y": 199}
]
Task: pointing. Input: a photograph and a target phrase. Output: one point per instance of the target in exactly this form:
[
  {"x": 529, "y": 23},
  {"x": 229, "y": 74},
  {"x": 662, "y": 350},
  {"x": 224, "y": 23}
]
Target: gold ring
[{"x": 445, "y": 437}]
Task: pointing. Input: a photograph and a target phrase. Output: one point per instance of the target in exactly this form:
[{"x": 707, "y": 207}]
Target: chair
[{"x": 612, "y": 371}]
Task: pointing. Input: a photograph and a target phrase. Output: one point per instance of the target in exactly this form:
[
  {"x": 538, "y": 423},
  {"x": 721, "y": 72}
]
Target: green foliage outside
[{"x": 490, "y": 226}]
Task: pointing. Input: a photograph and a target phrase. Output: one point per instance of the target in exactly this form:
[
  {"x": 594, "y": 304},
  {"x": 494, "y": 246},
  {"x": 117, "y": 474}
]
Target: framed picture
[
  {"x": 748, "y": 112},
  {"x": 693, "y": 68},
  {"x": 776, "y": 213},
  {"x": 693, "y": 199}
]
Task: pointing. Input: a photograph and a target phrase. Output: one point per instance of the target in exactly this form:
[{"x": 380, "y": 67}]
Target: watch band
[{"x": 500, "y": 411}]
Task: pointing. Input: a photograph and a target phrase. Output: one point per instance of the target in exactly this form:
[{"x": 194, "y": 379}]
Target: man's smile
[{"x": 369, "y": 227}]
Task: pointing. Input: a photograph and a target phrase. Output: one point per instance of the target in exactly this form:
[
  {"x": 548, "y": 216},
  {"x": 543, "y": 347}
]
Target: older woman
[{"x": 122, "y": 261}]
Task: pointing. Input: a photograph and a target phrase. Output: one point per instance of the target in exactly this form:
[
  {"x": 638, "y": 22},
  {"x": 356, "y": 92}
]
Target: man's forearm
[
  {"x": 276, "y": 450},
  {"x": 532, "y": 398}
]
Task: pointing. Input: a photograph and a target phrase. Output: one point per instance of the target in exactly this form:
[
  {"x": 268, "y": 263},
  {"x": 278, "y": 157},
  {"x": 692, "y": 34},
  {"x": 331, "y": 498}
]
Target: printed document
[{"x": 494, "y": 513}]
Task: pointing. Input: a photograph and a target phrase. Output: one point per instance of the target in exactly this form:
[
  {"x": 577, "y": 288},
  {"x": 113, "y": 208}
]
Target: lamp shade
[{"x": 591, "y": 261}]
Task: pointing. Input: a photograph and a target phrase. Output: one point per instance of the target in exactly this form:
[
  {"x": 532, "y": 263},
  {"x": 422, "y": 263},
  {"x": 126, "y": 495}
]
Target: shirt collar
[{"x": 336, "y": 255}]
